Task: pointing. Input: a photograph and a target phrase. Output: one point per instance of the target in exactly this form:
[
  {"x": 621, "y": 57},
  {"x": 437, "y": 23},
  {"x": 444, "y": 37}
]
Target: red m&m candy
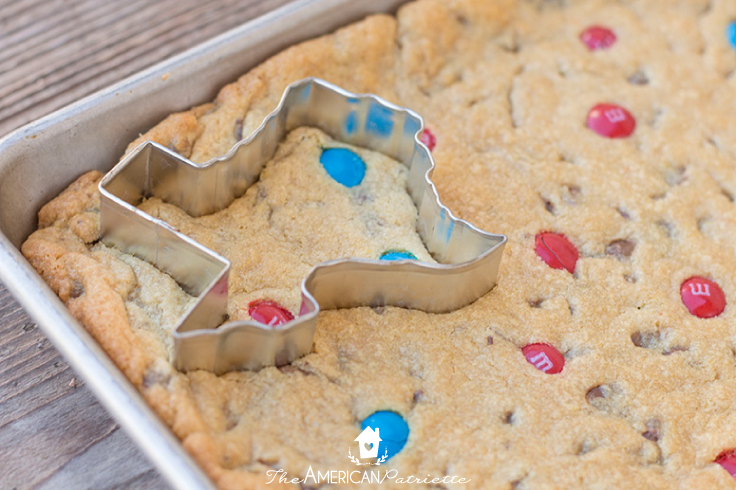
[
  {"x": 544, "y": 357},
  {"x": 269, "y": 312},
  {"x": 702, "y": 297},
  {"x": 556, "y": 251},
  {"x": 428, "y": 139},
  {"x": 597, "y": 37},
  {"x": 611, "y": 121},
  {"x": 727, "y": 460}
]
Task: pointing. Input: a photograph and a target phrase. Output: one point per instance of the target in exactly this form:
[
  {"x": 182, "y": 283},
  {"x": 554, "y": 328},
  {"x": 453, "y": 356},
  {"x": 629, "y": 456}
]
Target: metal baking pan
[{"x": 40, "y": 159}]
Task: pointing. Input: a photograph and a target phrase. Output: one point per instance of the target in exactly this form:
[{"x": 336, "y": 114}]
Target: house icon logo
[
  {"x": 369, "y": 438},
  {"x": 368, "y": 444}
]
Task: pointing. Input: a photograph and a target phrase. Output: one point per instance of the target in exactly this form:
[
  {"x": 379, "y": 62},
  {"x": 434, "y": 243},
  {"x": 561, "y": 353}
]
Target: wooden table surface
[{"x": 53, "y": 432}]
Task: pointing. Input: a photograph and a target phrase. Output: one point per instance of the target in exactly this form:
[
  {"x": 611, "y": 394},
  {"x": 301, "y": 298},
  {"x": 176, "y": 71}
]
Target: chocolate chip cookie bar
[{"x": 596, "y": 135}]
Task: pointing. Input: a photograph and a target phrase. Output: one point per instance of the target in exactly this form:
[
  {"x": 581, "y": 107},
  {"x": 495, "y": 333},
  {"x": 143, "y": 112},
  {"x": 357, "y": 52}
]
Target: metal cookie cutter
[{"x": 468, "y": 257}]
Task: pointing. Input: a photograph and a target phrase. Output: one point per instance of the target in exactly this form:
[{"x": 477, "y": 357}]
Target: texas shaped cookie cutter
[{"x": 468, "y": 257}]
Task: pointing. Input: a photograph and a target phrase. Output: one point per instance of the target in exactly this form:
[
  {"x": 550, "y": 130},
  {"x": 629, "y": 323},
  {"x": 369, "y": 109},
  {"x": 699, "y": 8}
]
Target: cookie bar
[{"x": 596, "y": 135}]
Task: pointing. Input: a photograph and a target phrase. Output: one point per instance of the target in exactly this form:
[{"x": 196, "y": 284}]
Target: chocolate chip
[
  {"x": 657, "y": 341},
  {"x": 620, "y": 248},
  {"x": 77, "y": 289},
  {"x": 536, "y": 303},
  {"x": 518, "y": 484},
  {"x": 571, "y": 193},
  {"x": 418, "y": 395},
  {"x": 489, "y": 340},
  {"x": 595, "y": 394},
  {"x": 509, "y": 418},
  {"x": 238, "y": 129},
  {"x": 609, "y": 398},
  {"x": 586, "y": 446},
  {"x": 647, "y": 340},
  {"x": 653, "y": 432},
  {"x": 713, "y": 142},
  {"x": 639, "y": 78},
  {"x": 153, "y": 377},
  {"x": 675, "y": 176},
  {"x": 549, "y": 206},
  {"x": 624, "y": 214}
]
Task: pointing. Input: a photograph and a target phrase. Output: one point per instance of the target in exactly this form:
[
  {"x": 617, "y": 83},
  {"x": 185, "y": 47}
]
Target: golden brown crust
[
  {"x": 178, "y": 132},
  {"x": 102, "y": 311},
  {"x": 360, "y": 58},
  {"x": 58, "y": 252},
  {"x": 78, "y": 197},
  {"x": 506, "y": 87}
]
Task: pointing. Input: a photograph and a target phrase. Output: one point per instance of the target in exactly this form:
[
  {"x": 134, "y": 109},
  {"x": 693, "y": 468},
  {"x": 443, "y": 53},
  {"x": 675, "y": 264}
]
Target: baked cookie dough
[{"x": 608, "y": 158}]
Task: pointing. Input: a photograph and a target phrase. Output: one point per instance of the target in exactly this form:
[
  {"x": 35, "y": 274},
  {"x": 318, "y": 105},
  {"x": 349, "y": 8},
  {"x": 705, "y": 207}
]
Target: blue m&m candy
[
  {"x": 343, "y": 165},
  {"x": 393, "y": 431},
  {"x": 731, "y": 33},
  {"x": 398, "y": 255}
]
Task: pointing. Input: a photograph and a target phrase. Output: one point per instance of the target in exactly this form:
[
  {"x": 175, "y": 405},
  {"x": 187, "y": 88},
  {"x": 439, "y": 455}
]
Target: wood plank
[
  {"x": 144, "y": 481},
  {"x": 22, "y": 349},
  {"x": 133, "y": 470},
  {"x": 80, "y": 65},
  {"x": 13, "y": 12},
  {"x": 53, "y": 433},
  {"x": 26, "y": 45},
  {"x": 48, "y": 384},
  {"x": 32, "y": 369},
  {"x": 26, "y": 30},
  {"x": 60, "y": 431}
]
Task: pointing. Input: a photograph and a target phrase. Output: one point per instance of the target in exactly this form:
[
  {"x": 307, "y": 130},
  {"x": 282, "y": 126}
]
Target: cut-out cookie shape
[{"x": 468, "y": 257}]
